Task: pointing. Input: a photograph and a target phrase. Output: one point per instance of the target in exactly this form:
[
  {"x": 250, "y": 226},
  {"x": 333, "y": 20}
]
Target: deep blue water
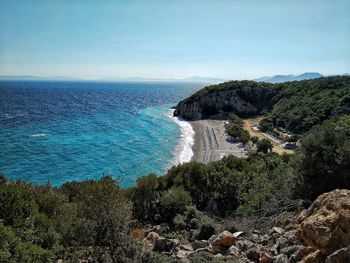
[{"x": 64, "y": 131}]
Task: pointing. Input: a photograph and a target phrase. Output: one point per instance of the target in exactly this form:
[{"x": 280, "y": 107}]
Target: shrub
[
  {"x": 264, "y": 146},
  {"x": 174, "y": 201}
]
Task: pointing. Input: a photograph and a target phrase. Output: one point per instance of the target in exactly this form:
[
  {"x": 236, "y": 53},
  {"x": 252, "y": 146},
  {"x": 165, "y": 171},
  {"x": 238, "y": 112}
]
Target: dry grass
[{"x": 248, "y": 123}]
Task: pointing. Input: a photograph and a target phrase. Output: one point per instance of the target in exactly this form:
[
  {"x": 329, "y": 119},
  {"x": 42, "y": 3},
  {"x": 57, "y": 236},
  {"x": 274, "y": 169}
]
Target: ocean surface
[{"x": 63, "y": 131}]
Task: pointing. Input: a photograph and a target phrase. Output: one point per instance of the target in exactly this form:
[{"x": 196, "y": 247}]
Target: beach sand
[{"x": 211, "y": 143}]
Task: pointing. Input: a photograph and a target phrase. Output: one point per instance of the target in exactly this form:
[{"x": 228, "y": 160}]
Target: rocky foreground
[{"x": 319, "y": 234}]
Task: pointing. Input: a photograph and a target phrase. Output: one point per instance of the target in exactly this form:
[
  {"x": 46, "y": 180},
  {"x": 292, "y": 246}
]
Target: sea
[{"x": 58, "y": 131}]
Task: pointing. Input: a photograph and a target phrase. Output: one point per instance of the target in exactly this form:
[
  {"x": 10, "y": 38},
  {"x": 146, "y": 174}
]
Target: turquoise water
[{"x": 64, "y": 131}]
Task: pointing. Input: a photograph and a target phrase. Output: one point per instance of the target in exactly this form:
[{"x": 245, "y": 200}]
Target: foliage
[
  {"x": 235, "y": 129},
  {"x": 145, "y": 197},
  {"x": 324, "y": 159},
  {"x": 174, "y": 201},
  {"x": 264, "y": 146},
  {"x": 41, "y": 223},
  {"x": 310, "y": 102}
]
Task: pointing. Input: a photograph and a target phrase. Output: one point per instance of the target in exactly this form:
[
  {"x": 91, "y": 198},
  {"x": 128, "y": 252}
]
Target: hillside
[{"x": 296, "y": 106}]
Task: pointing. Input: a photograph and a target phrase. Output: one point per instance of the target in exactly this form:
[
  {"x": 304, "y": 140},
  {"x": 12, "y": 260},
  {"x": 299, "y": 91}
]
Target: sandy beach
[{"x": 211, "y": 143}]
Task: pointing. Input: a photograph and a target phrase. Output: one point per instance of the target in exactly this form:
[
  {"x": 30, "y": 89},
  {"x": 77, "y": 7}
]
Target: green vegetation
[
  {"x": 264, "y": 146},
  {"x": 41, "y": 223},
  {"x": 94, "y": 218},
  {"x": 324, "y": 158},
  {"x": 310, "y": 102},
  {"x": 235, "y": 129}
]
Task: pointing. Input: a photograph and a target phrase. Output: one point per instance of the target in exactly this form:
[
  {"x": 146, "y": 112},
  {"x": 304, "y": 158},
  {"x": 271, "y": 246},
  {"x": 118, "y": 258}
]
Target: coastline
[
  {"x": 184, "y": 149},
  {"x": 204, "y": 141}
]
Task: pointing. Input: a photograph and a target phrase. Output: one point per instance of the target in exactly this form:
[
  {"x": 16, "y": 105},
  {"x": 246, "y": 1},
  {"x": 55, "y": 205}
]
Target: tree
[
  {"x": 145, "y": 197},
  {"x": 264, "y": 146},
  {"x": 254, "y": 139},
  {"x": 234, "y": 119},
  {"x": 324, "y": 158},
  {"x": 174, "y": 201}
]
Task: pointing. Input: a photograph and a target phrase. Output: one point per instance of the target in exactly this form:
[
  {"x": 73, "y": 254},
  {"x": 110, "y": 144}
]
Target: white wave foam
[
  {"x": 183, "y": 151},
  {"x": 38, "y": 135}
]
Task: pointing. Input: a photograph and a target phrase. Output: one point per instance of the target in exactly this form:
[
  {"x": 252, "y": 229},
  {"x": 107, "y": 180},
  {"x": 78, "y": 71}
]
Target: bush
[
  {"x": 324, "y": 158},
  {"x": 174, "y": 201},
  {"x": 264, "y": 146}
]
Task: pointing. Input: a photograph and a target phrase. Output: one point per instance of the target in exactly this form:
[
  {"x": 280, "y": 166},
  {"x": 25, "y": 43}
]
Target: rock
[
  {"x": 281, "y": 259},
  {"x": 265, "y": 257},
  {"x": 210, "y": 240},
  {"x": 244, "y": 244},
  {"x": 183, "y": 254},
  {"x": 277, "y": 230},
  {"x": 224, "y": 239},
  {"x": 290, "y": 250},
  {"x": 237, "y": 234},
  {"x": 233, "y": 251},
  {"x": 187, "y": 247},
  {"x": 253, "y": 253},
  {"x": 152, "y": 236},
  {"x": 165, "y": 245},
  {"x": 314, "y": 257},
  {"x": 157, "y": 229},
  {"x": 326, "y": 224},
  {"x": 301, "y": 253},
  {"x": 148, "y": 241},
  {"x": 199, "y": 244},
  {"x": 244, "y": 101},
  {"x": 339, "y": 256}
]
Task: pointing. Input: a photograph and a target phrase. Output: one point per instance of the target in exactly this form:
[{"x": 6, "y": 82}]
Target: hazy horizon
[{"x": 166, "y": 40}]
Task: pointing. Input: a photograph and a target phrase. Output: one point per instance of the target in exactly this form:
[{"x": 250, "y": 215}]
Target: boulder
[
  {"x": 326, "y": 224},
  {"x": 148, "y": 241},
  {"x": 224, "y": 239},
  {"x": 339, "y": 256}
]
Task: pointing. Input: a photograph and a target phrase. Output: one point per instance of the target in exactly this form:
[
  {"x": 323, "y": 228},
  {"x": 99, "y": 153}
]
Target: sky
[{"x": 93, "y": 39}]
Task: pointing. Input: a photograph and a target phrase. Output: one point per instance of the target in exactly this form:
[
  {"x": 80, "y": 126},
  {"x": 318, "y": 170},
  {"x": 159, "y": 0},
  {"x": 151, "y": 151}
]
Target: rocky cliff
[{"x": 244, "y": 98}]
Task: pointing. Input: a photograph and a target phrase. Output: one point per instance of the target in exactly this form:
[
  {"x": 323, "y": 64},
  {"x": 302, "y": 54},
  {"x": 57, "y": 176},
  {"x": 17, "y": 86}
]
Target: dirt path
[{"x": 248, "y": 123}]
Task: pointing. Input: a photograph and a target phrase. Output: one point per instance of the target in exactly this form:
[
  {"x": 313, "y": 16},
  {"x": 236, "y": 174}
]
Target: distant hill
[{"x": 290, "y": 77}]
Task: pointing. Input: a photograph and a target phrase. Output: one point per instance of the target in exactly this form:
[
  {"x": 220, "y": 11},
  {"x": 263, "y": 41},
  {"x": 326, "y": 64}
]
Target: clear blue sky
[{"x": 173, "y": 39}]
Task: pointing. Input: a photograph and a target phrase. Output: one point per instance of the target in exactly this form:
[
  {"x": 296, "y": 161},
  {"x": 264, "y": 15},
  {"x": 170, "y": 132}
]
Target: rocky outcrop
[
  {"x": 321, "y": 236},
  {"x": 245, "y": 100},
  {"x": 326, "y": 224}
]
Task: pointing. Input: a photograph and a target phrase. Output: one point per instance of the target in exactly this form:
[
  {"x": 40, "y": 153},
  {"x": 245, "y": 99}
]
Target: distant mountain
[{"x": 290, "y": 77}]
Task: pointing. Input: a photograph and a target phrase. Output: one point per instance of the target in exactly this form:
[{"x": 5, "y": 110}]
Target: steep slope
[{"x": 245, "y": 98}]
